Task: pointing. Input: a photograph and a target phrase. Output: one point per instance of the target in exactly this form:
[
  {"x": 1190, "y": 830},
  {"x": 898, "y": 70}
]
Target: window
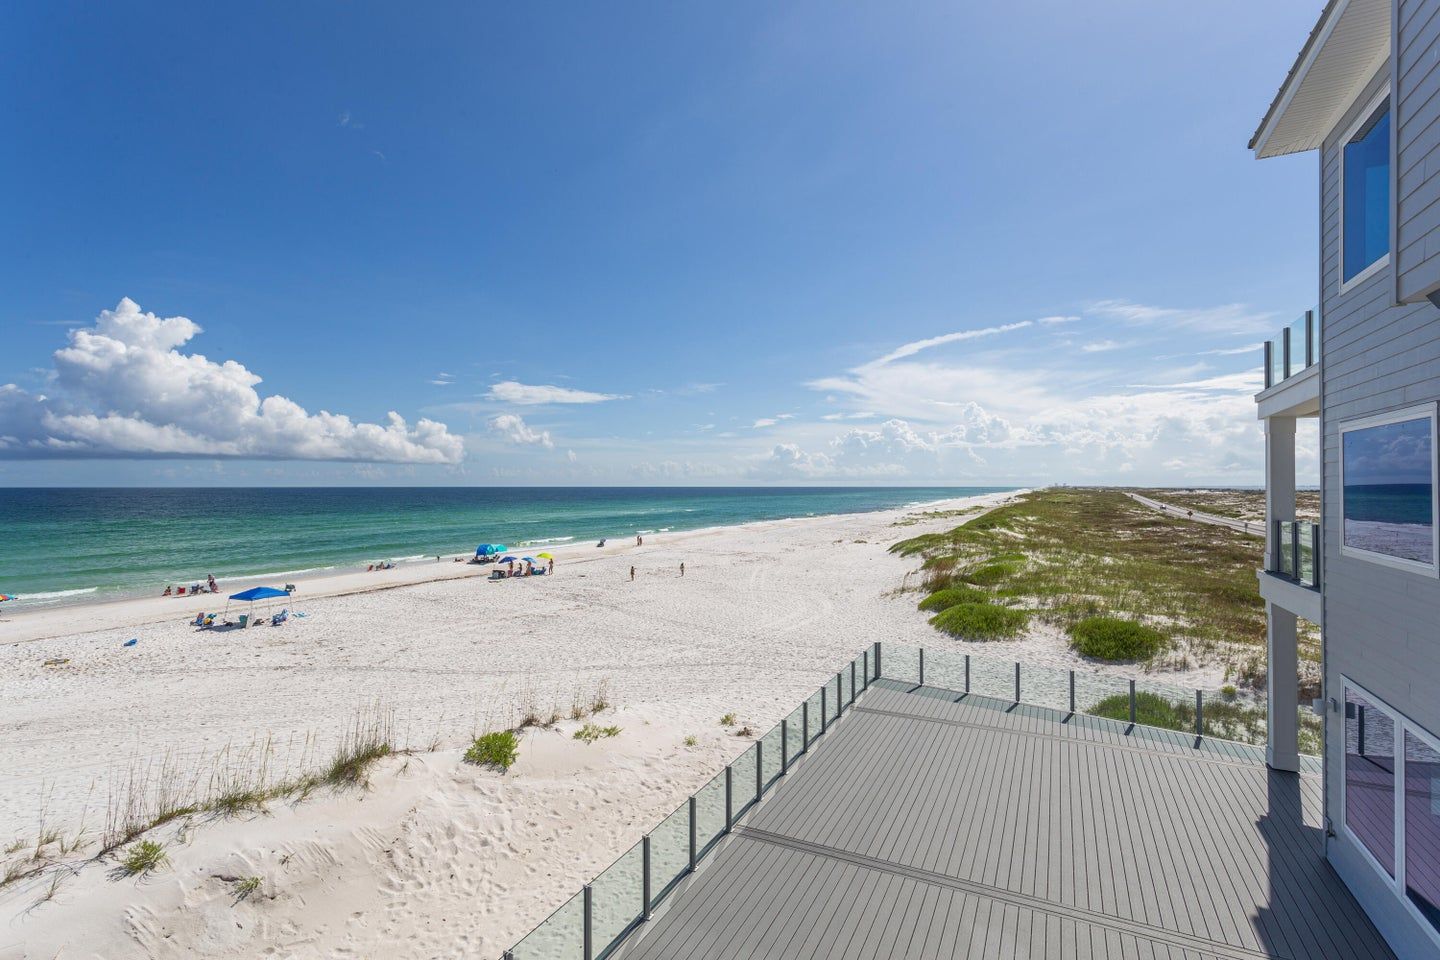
[
  {"x": 1389, "y": 489},
  {"x": 1365, "y": 195},
  {"x": 1370, "y": 778},
  {"x": 1391, "y": 801}
]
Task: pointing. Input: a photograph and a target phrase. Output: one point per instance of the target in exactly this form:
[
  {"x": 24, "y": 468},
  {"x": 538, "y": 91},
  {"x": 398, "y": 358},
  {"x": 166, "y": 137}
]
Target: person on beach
[
  {"x": 639, "y": 540},
  {"x": 682, "y": 568},
  {"x": 214, "y": 587},
  {"x": 632, "y": 574},
  {"x": 551, "y": 567},
  {"x": 168, "y": 591}
]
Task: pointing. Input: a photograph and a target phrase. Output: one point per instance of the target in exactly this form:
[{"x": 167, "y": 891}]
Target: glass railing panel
[
  {"x": 560, "y": 937},
  {"x": 945, "y": 670},
  {"x": 1102, "y": 696},
  {"x": 770, "y": 755},
  {"x": 1297, "y": 346},
  {"x": 1277, "y": 362},
  {"x": 1164, "y": 705},
  {"x": 992, "y": 677},
  {"x": 1315, "y": 313},
  {"x": 1233, "y": 713},
  {"x": 669, "y": 851},
  {"x": 743, "y": 779},
  {"x": 1284, "y": 543},
  {"x": 617, "y": 899},
  {"x": 814, "y": 703},
  {"x": 844, "y": 687},
  {"x": 1045, "y": 686},
  {"x": 1309, "y": 536},
  {"x": 902, "y": 663},
  {"x": 794, "y": 733},
  {"x": 710, "y": 812}
]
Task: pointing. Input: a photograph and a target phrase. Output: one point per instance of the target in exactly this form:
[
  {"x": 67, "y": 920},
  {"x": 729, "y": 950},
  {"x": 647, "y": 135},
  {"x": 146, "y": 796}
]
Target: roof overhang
[{"x": 1344, "y": 50}]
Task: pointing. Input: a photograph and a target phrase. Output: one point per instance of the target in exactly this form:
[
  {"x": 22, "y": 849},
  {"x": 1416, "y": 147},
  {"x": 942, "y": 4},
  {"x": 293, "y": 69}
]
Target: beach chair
[
  {"x": 199, "y": 620},
  {"x": 179, "y": 591},
  {"x": 280, "y": 618},
  {"x": 244, "y": 620}
]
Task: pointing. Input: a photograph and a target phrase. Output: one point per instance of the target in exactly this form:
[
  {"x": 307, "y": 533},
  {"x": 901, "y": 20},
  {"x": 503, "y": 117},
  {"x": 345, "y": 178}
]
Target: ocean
[
  {"x": 69, "y": 545},
  {"x": 1390, "y": 502}
]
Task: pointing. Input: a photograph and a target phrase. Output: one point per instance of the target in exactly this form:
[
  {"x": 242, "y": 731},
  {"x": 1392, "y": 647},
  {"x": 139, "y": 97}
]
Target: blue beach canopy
[
  {"x": 258, "y": 593},
  {"x": 488, "y": 549}
]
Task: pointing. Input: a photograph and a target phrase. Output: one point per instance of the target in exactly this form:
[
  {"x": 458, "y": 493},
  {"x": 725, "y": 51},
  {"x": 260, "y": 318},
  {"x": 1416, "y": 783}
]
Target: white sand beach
[
  {"x": 436, "y": 857},
  {"x": 1406, "y": 541}
]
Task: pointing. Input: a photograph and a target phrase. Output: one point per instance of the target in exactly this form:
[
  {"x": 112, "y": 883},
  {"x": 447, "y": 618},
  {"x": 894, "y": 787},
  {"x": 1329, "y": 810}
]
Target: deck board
[{"x": 926, "y": 823}]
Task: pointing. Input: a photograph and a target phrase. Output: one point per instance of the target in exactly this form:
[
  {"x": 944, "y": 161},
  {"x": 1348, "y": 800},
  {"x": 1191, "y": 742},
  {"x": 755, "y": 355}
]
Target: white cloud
[
  {"x": 516, "y": 430},
  {"x": 915, "y": 346},
  {"x": 1101, "y": 346},
  {"x": 764, "y": 422},
  {"x": 123, "y": 388},
  {"x": 1227, "y": 318},
  {"x": 443, "y": 379},
  {"x": 525, "y": 394}
]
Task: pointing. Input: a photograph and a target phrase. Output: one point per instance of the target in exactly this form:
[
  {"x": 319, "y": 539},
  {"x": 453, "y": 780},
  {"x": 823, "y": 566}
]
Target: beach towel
[{"x": 131, "y": 642}]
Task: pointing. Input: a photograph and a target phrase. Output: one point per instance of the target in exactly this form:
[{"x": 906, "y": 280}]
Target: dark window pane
[
  {"x": 1366, "y": 217},
  {"x": 1422, "y": 827},
  {"x": 1370, "y": 777}
]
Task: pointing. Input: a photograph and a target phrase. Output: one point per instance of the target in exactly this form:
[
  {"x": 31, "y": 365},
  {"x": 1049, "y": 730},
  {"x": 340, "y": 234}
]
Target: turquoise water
[
  {"x": 65, "y": 545},
  {"x": 1390, "y": 502}
]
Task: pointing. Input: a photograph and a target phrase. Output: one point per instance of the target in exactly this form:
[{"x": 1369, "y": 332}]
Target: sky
[{"x": 459, "y": 243}]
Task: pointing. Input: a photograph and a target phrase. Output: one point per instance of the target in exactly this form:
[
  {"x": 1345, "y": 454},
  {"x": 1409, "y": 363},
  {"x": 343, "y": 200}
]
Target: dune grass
[
  {"x": 951, "y": 596},
  {"x": 981, "y": 621},
  {"x": 591, "y": 732},
  {"x": 143, "y": 857},
  {"x": 1116, "y": 640}
]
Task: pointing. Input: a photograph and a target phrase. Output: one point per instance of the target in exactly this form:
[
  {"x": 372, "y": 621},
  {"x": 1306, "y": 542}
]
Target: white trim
[
  {"x": 1423, "y": 411},
  {"x": 1382, "y": 262},
  {"x": 1299, "y": 77},
  {"x": 1402, "y": 726}
]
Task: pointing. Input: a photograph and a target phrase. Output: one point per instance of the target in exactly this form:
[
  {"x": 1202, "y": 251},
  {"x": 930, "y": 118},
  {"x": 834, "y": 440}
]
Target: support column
[
  {"x": 1282, "y": 748},
  {"x": 1279, "y": 479}
]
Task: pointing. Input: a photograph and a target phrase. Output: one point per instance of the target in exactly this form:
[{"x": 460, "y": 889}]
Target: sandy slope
[{"x": 437, "y": 858}]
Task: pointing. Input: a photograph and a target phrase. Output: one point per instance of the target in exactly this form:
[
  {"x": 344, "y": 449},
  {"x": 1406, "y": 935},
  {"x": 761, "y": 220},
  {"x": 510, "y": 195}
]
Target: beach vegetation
[
  {"x": 948, "y": 597},
  {"x": 600, "y": 699},
  {"x": 1115, "y": 639},
  {"x": 981, "y": 621},
  {"x": 246, "y": 887},
  {"x": 692, "y": 741},
  {"x": 369, "y": 740},
  {"x": 728, "y": 720},
  {"x": 498, "y": 749},
  {"x": 990, "y": 573},
  {"x": 592, "y": 732},
  {"x": 143, "y": 857},
  {"x": 745, "y": 731}
]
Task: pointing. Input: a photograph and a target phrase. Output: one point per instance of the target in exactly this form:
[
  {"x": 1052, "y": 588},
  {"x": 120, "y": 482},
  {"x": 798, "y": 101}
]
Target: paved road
[{"x": 1254, "y": 527}]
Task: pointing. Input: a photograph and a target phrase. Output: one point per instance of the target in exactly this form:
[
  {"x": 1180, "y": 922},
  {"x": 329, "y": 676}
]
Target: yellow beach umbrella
[{"x": 544, "y": 556}]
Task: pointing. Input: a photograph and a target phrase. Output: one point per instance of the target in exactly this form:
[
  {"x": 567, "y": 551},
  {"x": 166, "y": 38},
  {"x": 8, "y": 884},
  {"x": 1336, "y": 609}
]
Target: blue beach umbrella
[{"x": 506, "y": 560}]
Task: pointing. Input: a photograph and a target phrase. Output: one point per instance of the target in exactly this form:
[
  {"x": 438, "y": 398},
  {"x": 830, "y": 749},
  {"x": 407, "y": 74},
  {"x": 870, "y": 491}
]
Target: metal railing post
[
  {"x": 852, "y": 674},
  {"x": 729, "y": 803},
  {"x": 1017, "y": 681},
  {"x": 967, "y": 673},
  {"x": 759, "y": 769},
  {"x": 1072, "y": 691},
  {"x": 1199, "y": 713},
  {"x": 1310, "y": 344},
  {"x": 877, "y": 665},
  {"x": 922, "y": 666},
  {"x": 692, "y": 833},
  {"x": 784, "y": 746},
  {"x": 1132, "y": 702},
  {"x": 645, "y": 867},
  {"x": 1285, "y": 351},
  {"x": 1269, "y": 364},
  {"x": 589, "y": 949},
  {"x": 839, "y": 693},
  {"x": 805, "y": 727},
  {"x": 824, "y": 707}
]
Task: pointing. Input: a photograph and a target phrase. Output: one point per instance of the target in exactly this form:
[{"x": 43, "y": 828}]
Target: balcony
[{"x": 1292, "y": 371}]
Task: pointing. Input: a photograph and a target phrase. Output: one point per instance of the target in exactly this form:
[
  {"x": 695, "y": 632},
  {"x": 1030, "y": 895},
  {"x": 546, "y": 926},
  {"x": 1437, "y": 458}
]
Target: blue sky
[{"x": 734, "y": 243}]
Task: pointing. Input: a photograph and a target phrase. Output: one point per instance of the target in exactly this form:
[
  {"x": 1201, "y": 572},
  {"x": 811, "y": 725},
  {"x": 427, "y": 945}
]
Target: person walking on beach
[
  {"x": 632, "y": 574},
  {"x": 551, "y": 570},
  {"x": 682, "y": 568},
  {"x": 639, "y": 540}
]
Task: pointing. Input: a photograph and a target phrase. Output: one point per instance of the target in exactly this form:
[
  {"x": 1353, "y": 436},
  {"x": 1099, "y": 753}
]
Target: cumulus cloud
[
  {"x": 516, "y": 430},
  {"x": 124, "y": 388},
  {"x": 526, "y": 394}
]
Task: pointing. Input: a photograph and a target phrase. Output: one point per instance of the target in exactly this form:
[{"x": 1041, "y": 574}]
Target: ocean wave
[
  {"x": 541, "y": 541},
  {"x": 56, "y": 594}
]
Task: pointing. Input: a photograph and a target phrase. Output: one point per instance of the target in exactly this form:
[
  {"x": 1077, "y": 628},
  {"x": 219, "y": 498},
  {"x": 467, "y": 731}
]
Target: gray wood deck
[{"x": 923, "y": 826}]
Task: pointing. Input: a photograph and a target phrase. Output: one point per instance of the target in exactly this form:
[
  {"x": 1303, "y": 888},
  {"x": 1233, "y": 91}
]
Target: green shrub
[
  {"x": 498, "y": 750},
  {"x": 1151, "y": 709},
  {"x": 989, "y": 574},
  {"x": 143, "y": 857},
  {"x": 980, "y": 621},
  {"x": 1110, "y": 638},
  {"x": 950, "y": 596}
]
